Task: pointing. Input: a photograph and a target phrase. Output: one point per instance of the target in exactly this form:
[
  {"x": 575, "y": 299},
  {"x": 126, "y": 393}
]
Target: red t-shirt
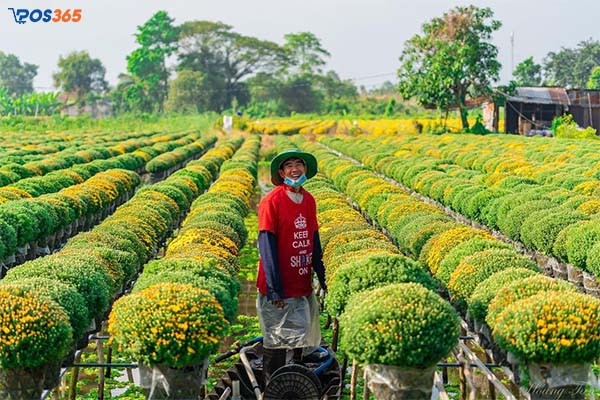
[{"x": 294, "y": 226}]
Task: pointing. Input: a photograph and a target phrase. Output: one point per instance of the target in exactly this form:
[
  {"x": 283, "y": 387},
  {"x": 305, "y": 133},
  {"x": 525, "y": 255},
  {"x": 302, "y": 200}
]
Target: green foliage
[
  {"x": 89, "y": 277},
  {"x": 593, "y": 82},
  {"x": 479, "y": 266},
  {"x": 528, "y": 73},
  {"x": 66, "y": 296},
  {"x": 401, "y": 324},
  {"x": 523, "y": 289},
  {"x": 593, "y": 259},
  {"x": 541, "y": 228},
  {"x": 170, "y": 324},
  {"x": 226, "y": 58},
  {"x": 571, "y": 67},
  {"x": 81, "y": 74},
  {"x": 187, "y": 93},
  {"x": 145, "y": 89},
  {"x": 551, "y": 327},
  {"x": 213, "y": 283},
  {"x": 478, "y": 128},
  {"x": 412, "y": 237},
  {"x": 450, "y": 59},
  {"x": 36, "y": 331},
  {"x": 511, "y": 223},
  {"x": 464, "y": 249},
  {"x": 16, "y": 78},
  {"x": 305, "y": 52},
  {"x": 579, "y": 240},
  {"x": 485, "y": 291},
  {"x": 565, "y": 127},
  {"x": 369, "y": 273},
  {"x": 30, "y": 104}
]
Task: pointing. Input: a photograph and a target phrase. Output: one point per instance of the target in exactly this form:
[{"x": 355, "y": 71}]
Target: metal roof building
[{"x": 532, "y": 109}]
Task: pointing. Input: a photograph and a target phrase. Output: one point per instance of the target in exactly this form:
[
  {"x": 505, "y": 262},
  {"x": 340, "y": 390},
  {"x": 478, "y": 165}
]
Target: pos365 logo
[{"x": 24, "y": 15}]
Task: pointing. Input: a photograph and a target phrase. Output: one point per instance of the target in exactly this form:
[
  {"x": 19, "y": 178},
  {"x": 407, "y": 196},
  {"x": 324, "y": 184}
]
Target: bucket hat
[{"x": 309, "y": 160}]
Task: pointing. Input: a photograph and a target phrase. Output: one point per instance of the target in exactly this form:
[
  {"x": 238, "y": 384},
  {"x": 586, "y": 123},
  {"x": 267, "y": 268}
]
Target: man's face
[{"x": 293, "y": 168}]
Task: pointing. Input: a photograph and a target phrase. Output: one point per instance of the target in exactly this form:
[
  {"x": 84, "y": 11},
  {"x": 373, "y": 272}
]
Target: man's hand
[{"x": 278, "y": 303}]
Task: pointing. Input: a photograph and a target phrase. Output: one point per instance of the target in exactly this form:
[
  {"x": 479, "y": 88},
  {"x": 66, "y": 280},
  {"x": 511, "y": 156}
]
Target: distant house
[
  {"x": 531, "y": 110},
  {"x": 98, "y": 109}
]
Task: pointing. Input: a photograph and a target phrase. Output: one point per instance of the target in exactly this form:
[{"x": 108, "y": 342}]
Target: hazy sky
[{"x": 364, "y": 37}]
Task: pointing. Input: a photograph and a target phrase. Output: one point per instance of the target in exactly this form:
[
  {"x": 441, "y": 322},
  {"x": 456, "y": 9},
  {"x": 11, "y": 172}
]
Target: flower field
[{"x": 425, "y": 238}]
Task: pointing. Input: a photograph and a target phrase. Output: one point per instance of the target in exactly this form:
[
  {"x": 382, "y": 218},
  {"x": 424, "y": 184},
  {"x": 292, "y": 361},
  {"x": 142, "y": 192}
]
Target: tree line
[
  {"x": 200, "y": 66},
  {"x": 215, "y": 68}
]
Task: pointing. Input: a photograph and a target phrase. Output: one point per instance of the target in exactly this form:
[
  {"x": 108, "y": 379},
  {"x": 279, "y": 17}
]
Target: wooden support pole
[
  {"x": 109, "y": 361},
  {"x": 466, "y": 376},
  {"x": 353, "y": 379},
  {"x": 492, "y": 388},
  {"x": 366, "y": 391},
  {"x": 74, "y": 378},
  {"x": 328, "y": 321},
  {"x": 335, "y": 334},
  {"x": 100, "y": 352},
  {"x": 344, "y": 368}
]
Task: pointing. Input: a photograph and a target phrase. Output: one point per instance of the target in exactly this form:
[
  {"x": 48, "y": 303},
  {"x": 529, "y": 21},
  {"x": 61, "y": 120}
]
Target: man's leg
[{"x": 273, "y": 359}]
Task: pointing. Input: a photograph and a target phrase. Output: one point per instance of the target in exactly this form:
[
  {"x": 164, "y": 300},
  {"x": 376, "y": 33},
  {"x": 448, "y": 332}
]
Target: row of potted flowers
[
  {"x": 176, "y": 156},
  {"x": 280, "y": 126},
  {"x": 391, "y": 317},
  {"x": 480, "y": 272},
  {"x": 54, "y": 181},
  {"x": 31, "y": 222},
  {"x": 40, "y": 325},
  {"x": 35, "y": 226},
  {"x": 547, "y": 160},
  {"x": 35, "y": 146},
  {"x": 16, "y": 169},
  {"x": 182, "y": 304},
  {"x": 544, "y": 218}
]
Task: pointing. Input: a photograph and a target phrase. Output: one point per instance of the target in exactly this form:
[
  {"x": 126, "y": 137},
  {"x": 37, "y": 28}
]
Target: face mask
[{"x": 295, "y": 183}]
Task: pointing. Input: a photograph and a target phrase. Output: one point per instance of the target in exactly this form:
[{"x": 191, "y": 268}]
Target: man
[{"x": 290, "y": 249}]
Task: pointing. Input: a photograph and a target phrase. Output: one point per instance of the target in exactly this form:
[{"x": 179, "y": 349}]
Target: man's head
[
  {"x": 292, "y": 168},
  {"x": 292, "y": 164}
]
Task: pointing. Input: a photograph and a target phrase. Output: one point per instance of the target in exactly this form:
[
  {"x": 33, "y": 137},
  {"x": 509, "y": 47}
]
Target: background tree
[
  {"x": 572, "y": 67},
  {"x": 186, "y": 93},
  {"x": 528, "y": 73},
  {"x": 451, "y": 60},
  {"x": 147, "y": 64},
  {"x": 81, "y": 74},
  {"x": 594, "y": 80},
  {"x": 16, "y": 78},
  {"x": 299, "y": 95},
  {"x": 305, "y": 53},
  {"x": 226, "y": 58},
  {"x": 132, "y": 95}
]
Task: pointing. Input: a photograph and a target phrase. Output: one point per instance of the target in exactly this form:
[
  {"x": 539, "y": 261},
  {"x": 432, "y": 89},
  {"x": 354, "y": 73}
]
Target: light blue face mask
[{"x": 295, "y": 183}]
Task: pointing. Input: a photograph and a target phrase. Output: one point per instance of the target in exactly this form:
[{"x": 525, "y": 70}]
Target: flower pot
[
  {"x": 485, "y": 335},
  {"x": 21, "y": 384},
  {"x": 163, "y": 382},
  {"x": 590, "y": 284},
  {"x": 575, "y": 275},
  {"x": 23, "y": 250},
  {"x": 388, "y": 382},
  {"x": 11, "y": 259},
  {"x": 550, "y": 381},
  {"x": 560, "y": 271},
  {"x": 547, "y": 264},
  {"x": 83, "y": 341},
  {"x": 52, "y": 374}
]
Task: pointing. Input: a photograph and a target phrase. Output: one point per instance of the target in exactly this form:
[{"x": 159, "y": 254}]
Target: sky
[{"x": 365, "y": 37}]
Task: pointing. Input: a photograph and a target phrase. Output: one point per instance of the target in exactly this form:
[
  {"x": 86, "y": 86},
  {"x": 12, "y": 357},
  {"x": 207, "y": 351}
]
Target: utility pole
[{"x": 512, "y": 53}]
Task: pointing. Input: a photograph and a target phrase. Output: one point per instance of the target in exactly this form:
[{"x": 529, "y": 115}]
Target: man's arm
[
  {"x": 317, "y": 261},
  {"x": 267, "y": 247}
]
